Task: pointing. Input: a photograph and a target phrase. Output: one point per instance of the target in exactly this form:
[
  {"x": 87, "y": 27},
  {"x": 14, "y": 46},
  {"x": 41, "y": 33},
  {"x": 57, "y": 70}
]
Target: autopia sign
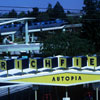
[{"x": 60, "y": 79}]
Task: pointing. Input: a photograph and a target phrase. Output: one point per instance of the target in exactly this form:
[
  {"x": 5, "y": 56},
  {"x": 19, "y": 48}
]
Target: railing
[{"x": 19, "y": 47}]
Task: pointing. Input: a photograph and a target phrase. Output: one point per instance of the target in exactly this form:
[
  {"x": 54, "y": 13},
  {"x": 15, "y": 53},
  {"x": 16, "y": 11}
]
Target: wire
[
  {"x": 80, "y": 11},
  {"x": 10, "y": 10},
  {"x": 32, "y": 7}
]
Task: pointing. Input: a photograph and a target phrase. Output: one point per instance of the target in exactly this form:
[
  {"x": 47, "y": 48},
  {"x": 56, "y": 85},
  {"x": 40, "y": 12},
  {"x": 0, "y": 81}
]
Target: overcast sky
[{"x": 67, "y": 4}]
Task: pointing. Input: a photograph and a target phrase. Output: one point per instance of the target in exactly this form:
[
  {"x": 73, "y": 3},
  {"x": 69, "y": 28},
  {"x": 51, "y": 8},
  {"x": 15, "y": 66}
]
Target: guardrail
[{"x": 20, "y": 47}]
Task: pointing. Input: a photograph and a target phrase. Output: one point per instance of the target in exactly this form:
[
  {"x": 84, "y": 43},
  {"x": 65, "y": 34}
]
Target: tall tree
[
  {"x": 50, "y": 10},
  {"x": 35, "y": 12},
  {"x": 12, "y": 14},
  {"x": 58, "y": 11},
  {"x": 28, "y": 13},
  {"x": 91, "y": 23}
]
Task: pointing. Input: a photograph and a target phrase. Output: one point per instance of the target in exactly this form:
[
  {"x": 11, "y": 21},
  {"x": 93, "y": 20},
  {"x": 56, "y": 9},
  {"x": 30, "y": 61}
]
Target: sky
[{"x": 67, "y": 4}]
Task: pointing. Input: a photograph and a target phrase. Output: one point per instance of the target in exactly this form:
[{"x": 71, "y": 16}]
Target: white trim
[
  {"x": 52, "y": 84},
  {"x": 16, "y": 20},
  {"x": 11, "y": 85},
  {"x": 48, "y": 73},
  {"x": 46, "y": 29},
  {"x": 6, "y": 19},
  {"x": 8, "y": 33},
  {"x": 8, "y": 79}
]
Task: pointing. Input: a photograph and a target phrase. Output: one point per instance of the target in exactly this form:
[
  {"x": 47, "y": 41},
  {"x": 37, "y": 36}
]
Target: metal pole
[
  {"x": 7, "y": 72},
  {"x": 35, "y": 94},
  {"x": 32, "y": 37},
  {"x": 8, "y": 93},
  {"x": 66, "y": 93},
  {"x": 97, "y": 93},
  {"x": 26, "y": 33},
  {"x": 13, "y": 37}
]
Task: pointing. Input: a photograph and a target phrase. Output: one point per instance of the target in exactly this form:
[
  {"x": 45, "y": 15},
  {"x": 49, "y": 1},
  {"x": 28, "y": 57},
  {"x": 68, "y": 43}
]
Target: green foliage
[
  {"x": 43, "y": 16},
  {"x": 74, "y": 20},
  {"x": 67, "y": 44},
  {"x": 58, "y": 11},
  {"x": 91, "y": 24},
  {"x": 22, "y": 14},
  {"x": 50, "y": 10},
  {"x": 12, "y": 14},
  {"x": 35, "y": 12},
  {"x": 5, "y": 15},
  {"x": 19, "y": 40}
]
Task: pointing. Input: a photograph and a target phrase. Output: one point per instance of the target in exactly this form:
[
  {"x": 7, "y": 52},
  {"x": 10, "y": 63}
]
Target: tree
[
  {"x": 35, "y": 12},
  {"x": 50, "y": 10},
  {"x": 22, "y": 14},
  {"x": 58, "y": 11},
  {"x": 43, "y": 16},
  {"x": 12, "y": 14},
  {"x": 64, "y": 43},
  {"x": 28, "y": 13},
  {"x": 5, "y": 15},
  {"x": 91, "y": 23}
]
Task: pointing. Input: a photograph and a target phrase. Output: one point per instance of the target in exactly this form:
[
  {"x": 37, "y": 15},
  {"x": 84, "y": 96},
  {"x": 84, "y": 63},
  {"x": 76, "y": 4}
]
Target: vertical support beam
[
  {"x": 66, "y": 93},
  {"x": 32, "y": 37},
  {"x": 7, "y": 72},
  {"x": 35, "y": 94},
  {"x": 13, "y": 37},
  {"x": 97, "y": 93},
  {"x": 8, "y": 93},
  {"x": 26, "y": 32},
  {"x": 66, "y": 98}
]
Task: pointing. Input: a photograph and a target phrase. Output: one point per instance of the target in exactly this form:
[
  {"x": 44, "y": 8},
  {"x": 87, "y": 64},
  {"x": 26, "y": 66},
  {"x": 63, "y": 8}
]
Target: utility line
[{"x": 32, "y": 7}]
